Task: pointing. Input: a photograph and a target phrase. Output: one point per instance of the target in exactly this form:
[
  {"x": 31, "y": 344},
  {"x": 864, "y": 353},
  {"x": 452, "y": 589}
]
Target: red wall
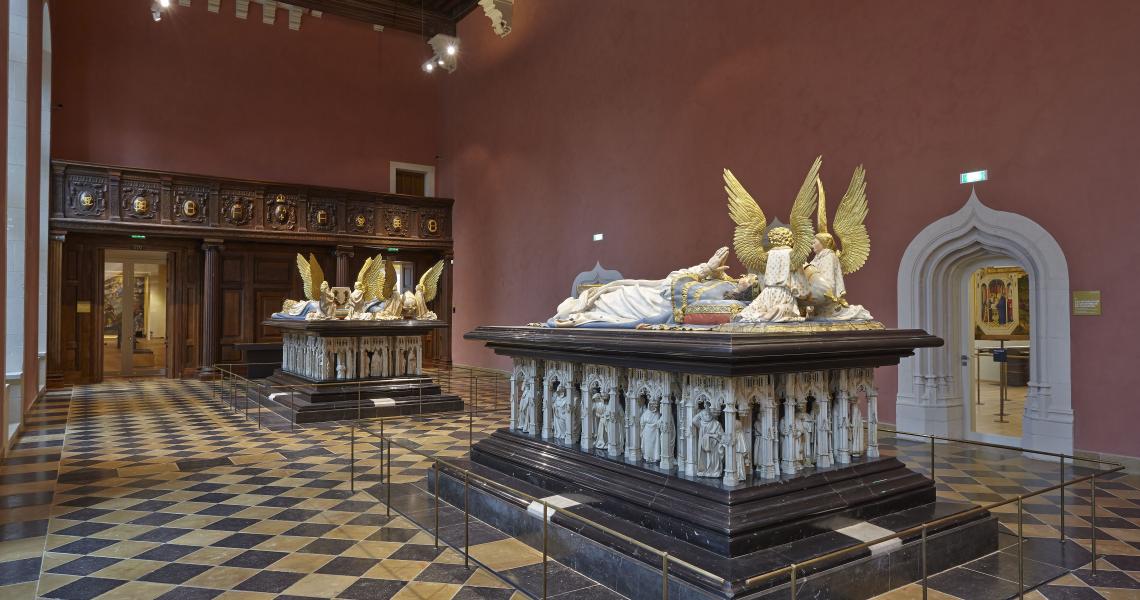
[
  {"x": 619, "y": 116},
  {"x": 209, "y": 93}
]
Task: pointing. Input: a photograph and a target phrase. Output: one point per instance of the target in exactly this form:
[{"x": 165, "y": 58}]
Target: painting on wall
[{"x": 1001, "y": 304}]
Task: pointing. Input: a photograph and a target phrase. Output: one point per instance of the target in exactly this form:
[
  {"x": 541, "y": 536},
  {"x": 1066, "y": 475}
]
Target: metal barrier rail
[{"x": 667, "y": 560}]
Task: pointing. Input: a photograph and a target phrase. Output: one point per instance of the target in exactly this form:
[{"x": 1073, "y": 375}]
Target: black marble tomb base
[
  {"x": 635, "y": 573},
  {"x": 728, "y": 520},
  {"x": 366, "y": 398}
]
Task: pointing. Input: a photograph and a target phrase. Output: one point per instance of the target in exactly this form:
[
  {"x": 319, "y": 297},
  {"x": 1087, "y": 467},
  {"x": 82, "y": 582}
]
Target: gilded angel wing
[
  {"x": 362, "y": 275},
  {"x": 374, "y": 280},
  {"x": 306, "y": 277},
  {"x": 748, "y": 240},
  {"x": 855, "y": 242},
  {"x": 316, "y": 276},
  {"x": 802, "y": 231},
  {"x": 430, "y": 281}
]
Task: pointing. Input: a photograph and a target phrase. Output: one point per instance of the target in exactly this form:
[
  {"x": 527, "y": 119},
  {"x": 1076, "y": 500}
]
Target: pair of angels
[
  {"x": 373, "y": 297},
  {"x": 791, "y": 288}
]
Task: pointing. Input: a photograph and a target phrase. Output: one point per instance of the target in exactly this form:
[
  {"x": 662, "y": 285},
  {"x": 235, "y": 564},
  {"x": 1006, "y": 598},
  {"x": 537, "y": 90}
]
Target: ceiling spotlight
[
  {"x": 164, "y": 3},
  {"x": 429, "y": 66},
  {"x": 445, "y": 49}
]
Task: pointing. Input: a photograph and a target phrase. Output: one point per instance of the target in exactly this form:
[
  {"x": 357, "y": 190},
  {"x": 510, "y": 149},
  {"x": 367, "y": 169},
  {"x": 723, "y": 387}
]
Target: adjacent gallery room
[{"x": 579, "y": 300}]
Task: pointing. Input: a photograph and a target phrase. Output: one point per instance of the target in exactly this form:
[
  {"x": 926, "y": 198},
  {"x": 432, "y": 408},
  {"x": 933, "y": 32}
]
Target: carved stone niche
[
  {"x": 322, "y": 214},
  {"x": 397, "y": 221},
  {"x": 237, "y": 207},
  {"x": 86, "y": 195},
  {"x": 360, "y": 219},
  {"x": 281, "y": 211},
  {"x": 432, "y": 223},
  {"x": 191, "y": 203},
  {"x": 139, "y": 199}
]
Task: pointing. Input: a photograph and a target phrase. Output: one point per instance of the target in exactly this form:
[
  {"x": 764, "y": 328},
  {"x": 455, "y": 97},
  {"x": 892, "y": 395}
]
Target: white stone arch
[{"x": 932, "y": 296}]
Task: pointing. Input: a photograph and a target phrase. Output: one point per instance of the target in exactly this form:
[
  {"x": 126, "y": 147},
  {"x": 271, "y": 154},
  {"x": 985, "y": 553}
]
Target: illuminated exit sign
[{"x": 974, "y": 176}]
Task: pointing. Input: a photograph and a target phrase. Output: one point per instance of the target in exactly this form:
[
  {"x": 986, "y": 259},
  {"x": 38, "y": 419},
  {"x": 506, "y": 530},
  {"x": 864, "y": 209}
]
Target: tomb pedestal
[
  {"x": 338, "y": 369},
  {"x": 736, "y": 452}
]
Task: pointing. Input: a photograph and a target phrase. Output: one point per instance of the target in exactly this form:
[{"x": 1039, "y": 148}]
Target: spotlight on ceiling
[
  {"x": 429, "y": 66},
  {"x": 164, "y": 3},
  {"x": 157, "y": 7},
  {"x": 445, "y": 49}
]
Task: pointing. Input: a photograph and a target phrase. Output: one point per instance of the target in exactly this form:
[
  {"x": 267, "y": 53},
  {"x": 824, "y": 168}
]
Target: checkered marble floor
[{"x": 159, "y": 489}]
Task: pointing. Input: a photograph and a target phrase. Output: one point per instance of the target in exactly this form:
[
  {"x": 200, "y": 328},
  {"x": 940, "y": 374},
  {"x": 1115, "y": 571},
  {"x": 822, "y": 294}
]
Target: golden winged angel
[
  {"x": 413, "y": 305},
  {"x": 788, "y": 283},
  {"x": 319, "y": 302},
  {"x": 373, "y": 286}
]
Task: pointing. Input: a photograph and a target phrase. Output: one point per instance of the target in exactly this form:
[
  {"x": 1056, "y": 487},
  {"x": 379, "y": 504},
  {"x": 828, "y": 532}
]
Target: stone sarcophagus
[
  {"x": 342, "y": 369},
  {"x": 735, "y": 451}
]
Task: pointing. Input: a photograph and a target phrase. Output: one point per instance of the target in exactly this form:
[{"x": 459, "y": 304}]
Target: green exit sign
[{"x": 974, "y": 176}]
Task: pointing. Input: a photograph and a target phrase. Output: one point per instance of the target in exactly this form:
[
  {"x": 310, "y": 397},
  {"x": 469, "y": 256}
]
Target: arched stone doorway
[{"x": 931, "y": 296}]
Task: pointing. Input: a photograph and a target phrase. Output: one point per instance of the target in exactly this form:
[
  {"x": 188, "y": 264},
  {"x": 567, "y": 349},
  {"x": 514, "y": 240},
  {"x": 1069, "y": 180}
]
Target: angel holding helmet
[{"x": 789, "y": 284}]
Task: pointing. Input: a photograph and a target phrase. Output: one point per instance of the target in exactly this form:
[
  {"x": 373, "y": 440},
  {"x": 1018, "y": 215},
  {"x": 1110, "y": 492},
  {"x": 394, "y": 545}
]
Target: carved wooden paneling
[
  {"x": 397, "y": 221},
  {"x": 232, "y": 269},
  {"x": 191, "y": 203},
  {"x": 237, "y": 207},
  {"x": 139, "y": 199},
  {"x": 262, "y": 226},
  {"x": 361, "y": 219},
  {"x": 86, "y": 196},
  {"x": 281, "y": 211},
  {"x": 322, "y": 215},
  {"x": 274, "y": 270},
  {"x": 231, "y": 314},
  {"x": 433, "y": 223}
]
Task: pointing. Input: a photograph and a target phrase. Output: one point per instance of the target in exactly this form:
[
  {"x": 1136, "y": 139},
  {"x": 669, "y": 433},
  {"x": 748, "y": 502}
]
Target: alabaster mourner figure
[
  {"x": 710, "y": 444},
  {"x": 651, "y": 433}
]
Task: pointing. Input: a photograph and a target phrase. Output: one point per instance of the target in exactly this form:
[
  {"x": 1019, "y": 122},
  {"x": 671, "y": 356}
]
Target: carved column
[
  {"x": 842, "y": 446},
  {"x": 546, "y": 413},
  {"x": 788, "y": 440},
  {"x": 730, "y": 440},
  {"x": 587, "y": 412},
  {"x": 211, "y": 306},
  {"x": 514, "y": 401},
  {"x": 667, "y": 423},
  {"x": 54, "y": 303},
  {"x": 872, "y": 415},
  {"x": 612, "y": 447},
  {"x": 343, "y": 276}
]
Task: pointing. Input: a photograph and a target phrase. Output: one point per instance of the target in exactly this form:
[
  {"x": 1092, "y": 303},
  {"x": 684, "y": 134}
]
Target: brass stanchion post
[
  {"x": 1020, "y": 552},
  {"x": 545, "y": 517},
  {"x": 665, "y": 576},
  {"x": 1092, "y": 485},
  {"x": 924, "y": 569},
  {"x": 389, "y": 486},
  {"x": 793, "y": 590},
  {"x": 435, "y": 468},
  {"x": 1062, "y": 498},
  {"x": 466, "y": 519},
  {"x": 352, "y": 457}
]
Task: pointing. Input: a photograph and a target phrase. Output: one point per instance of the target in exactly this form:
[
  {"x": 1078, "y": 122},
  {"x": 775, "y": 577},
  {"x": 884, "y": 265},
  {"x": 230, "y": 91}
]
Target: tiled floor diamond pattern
[{"x": 164, "y": 491}]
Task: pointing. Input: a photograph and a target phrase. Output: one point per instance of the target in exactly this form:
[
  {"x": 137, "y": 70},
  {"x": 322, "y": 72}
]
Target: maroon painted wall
[
  {"x": 618, "y": 118},
  {"x": 209, "y": 93}
]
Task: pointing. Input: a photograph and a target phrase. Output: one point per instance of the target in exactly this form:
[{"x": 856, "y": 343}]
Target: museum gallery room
[{"x": 594, "y": 299}]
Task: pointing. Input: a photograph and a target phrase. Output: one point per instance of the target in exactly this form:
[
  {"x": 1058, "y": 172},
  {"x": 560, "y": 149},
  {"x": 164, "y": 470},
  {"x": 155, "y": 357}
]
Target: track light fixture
[
  {"x": 157, "y": 7},
  {"x": 445, "y": 53}
]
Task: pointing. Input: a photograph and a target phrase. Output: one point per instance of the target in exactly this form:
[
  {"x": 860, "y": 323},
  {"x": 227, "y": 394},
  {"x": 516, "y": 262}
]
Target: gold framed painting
[{"x": 1001, "y": 303}]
